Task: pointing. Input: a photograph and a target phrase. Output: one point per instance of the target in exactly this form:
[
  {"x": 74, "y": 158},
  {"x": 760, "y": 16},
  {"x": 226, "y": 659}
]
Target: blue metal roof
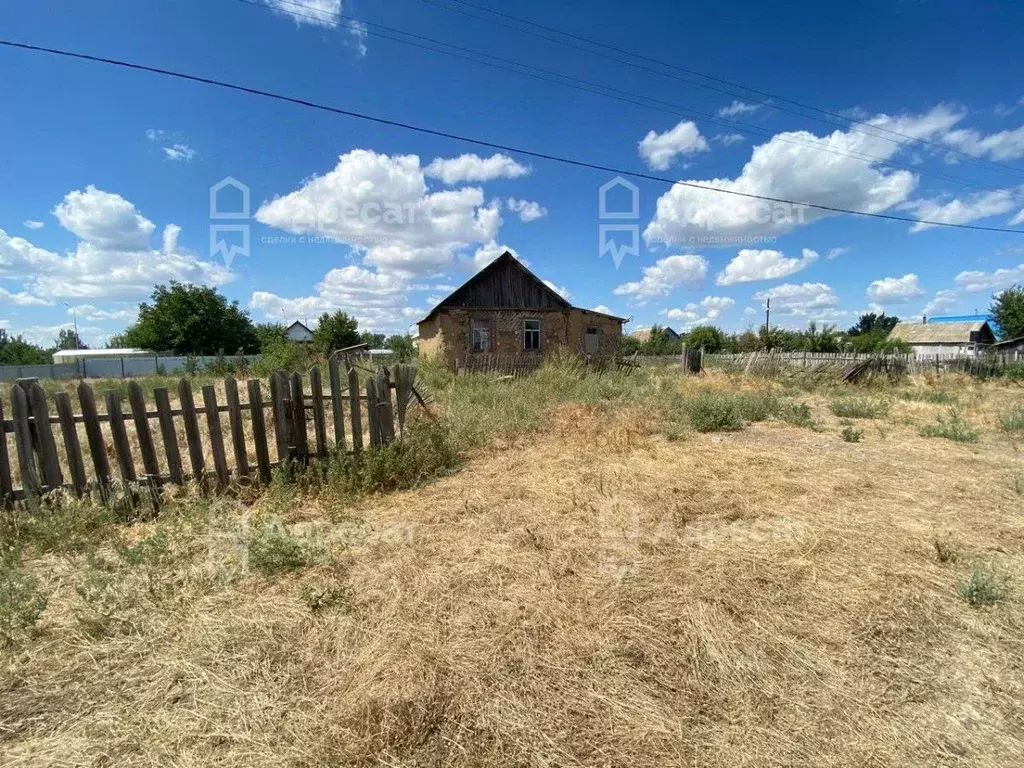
[{"x": 970, "y": 319}]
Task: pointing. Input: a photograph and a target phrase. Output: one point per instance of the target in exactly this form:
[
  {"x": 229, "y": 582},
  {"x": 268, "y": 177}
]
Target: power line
[
  {"x": 594, "y": 88},
  {"x": 479, "y": 142},
  {"x": 770, "y": 97}
]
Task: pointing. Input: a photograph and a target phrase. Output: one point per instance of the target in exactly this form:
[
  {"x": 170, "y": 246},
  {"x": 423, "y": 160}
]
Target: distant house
[
  {"x": 643, "y": 335},
  {"x": 298, "y": 332},
  {"x": 507, "y": 310},
  {"x": 1010, "y": 346},
  {"x": 967, "y": 337}
]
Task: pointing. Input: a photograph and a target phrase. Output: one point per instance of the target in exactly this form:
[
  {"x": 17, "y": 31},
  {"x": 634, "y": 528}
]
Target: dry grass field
[{"x": 600, "y": 581}]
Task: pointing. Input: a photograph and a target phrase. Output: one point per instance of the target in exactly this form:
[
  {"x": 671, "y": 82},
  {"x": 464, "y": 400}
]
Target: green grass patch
[
  {"x": 21, "y": 601},
  {"x": 851, "y": 435},
  {"x": 983, "y": 587},
  {"x": 858, "y": 407},
  {"x": 272, "y": 550},
  {"x": 937, "y": 397},
  {"x": 953, "y": 427},
  {"x": 1012, "y": 421}
]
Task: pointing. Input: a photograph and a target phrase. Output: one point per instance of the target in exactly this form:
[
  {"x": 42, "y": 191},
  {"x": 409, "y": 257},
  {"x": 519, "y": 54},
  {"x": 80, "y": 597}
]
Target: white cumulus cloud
[
  {"x": 800, "y": 172},
  {"x": 804, "y": 299},
  {"x": 752, "y": 264},
  {"x": 943, "y": 301},
  {"x": 528, "y": 210},
  {"x": 957, "y": 211},
  {"x": 738, "y": 108},
  {"x": 475, "y": 168},
  {"x": 974, "y": 281},
  {"x": 104, "y": 220},
  {"x": 895, "y": 290},
  {"x": 666, "y": 274},
  {"x": 659, "y": 150}
]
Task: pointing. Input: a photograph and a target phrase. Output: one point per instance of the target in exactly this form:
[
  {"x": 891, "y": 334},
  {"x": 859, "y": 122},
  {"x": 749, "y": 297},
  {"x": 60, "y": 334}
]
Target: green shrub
[
  {"x": 757, "y": 406},
  {"x": 714, "y": 412},
  {"x": 858, "y": 407},
  {"x": 852, "y": 435},
  {"x": 1012, "y": 421},
  {"x": 797, "y": 414},
  {"x": 272, "y": 550},
  {"x": 983, "y": 587},
  {"x": 1014, "y": 372},
  {"x": 952, "y": 427},
  {"x": 21, "y": 601}
]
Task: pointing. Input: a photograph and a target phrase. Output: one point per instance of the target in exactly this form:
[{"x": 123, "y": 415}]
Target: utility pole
[
  {"x": 767, "y": 320},
  {"x": 74, "y": 315}
]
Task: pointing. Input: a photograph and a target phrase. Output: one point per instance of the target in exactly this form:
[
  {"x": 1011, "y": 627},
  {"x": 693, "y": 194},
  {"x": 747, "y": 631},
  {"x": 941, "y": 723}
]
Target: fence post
[
  {"x": 237, "y": 431},
  {"x": 299, "y": 437},
  {"x": 353, "y": 398},
  {"x": 278, "y": 387},
  {"x": 385, "y": 411},
  {"x": 138, "y": 404},
  {"x": 44, "y": 433},
  {"x": 122, "y": 448},
  {"x": 334, "y": 373},
  {"x": 195, "y": 445},
  {"x": 71, "y": 445},
  {"x": 220, "y": 463},
  {"x": 169, "y": 435},
  {"x": 259, "y": 430},
  {"x": 6, "y": 480},
  {"x": 371, "y": 411},
  {"x": 23, "y": 441},
  {"x": 316, "y": 393},
  {"x": 97, "y": 447}
]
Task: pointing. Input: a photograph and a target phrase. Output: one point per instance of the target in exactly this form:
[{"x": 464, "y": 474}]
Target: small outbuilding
[
  {"x": 507, "y": 310},
  {"x": 945, "y": 338},
  {"x": 298, "y": 332}
]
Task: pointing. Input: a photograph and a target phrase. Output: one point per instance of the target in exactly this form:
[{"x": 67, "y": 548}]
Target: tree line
[
  {"x": 194, "y": 320},
  {"x": 869, "y": 334}
]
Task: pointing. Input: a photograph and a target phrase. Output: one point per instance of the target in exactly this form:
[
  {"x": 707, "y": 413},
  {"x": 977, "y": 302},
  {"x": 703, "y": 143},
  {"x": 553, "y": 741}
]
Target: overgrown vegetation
[
  {"x": 1013, "y": 421},
  {"x": 953, "y": 426},
  {"x": 272, "y": 550},
  {"x": 21, "y": 599},
  {"x": 983, "y": 587},
  {"x": 858, "y": 407},
  {"x": 851, "y": 435}
]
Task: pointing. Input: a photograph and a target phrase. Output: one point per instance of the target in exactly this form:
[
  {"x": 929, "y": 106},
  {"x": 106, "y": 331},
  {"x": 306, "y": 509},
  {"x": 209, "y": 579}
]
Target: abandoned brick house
[{"x": 507, "y": 310}]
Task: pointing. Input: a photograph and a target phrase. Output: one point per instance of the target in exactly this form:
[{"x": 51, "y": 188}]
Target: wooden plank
[
  {"x": 172, "y": 453},
  {"x": 122, "y": 448},
  {"x": 220, "y": 462},
  {"x": 299, "y": 437},
  {"x": 385, "y": 411},
  {"x": 316, "y": 393},
  {"x": 97, "y": 446},
  {"x": 281, "y": 408},
  {"x": 353, "y": 401},
  {"x": 146, "y": 447},
  {"x": 23, "y": 442},
  {"x": 334, "y": 372},
  {"x": 405, "y": 379},
  {"x": 72, "y": 447},
  {"x": 52, "y": 474},
  {"x": 237, "y": 431},
  {"x": 259, "y": 430},
  {"x": 6, "y": 481},
  {"x": 371, "y": 411},
  {"x": 195, "y": 443}
]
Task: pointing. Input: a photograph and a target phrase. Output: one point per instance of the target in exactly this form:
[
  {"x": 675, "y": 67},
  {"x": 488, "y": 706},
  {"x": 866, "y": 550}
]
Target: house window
[
  {"x": 531, "y": 335},
  {"x": 480, "y": 336}
]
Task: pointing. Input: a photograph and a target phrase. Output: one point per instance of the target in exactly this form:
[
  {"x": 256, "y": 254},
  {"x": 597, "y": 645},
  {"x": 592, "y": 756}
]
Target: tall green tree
[
  {"x": 68, "y": 338},
  {"x": 871, "y": 323},
  {"x": 402, "y": 347},
  {"x": 192, "y": 320},
  {"x": 372, "y": 340},
  {"x": 335, "y": 331},
  {"x": 709, "y": 337},
  {"x": 1008, "y": 311},
  {"x": 269, "y": 334},
  {"x": 14, "y": 350}
]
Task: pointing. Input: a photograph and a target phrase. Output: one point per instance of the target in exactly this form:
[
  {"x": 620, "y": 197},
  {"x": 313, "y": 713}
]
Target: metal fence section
[{"x": 119, "y": 367}]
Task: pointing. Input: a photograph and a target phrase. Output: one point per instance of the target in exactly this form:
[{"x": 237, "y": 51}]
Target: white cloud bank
[
  {"x": 750, "y": 265},
  {"x": 659, "y": 150},
  {"x": 665, "y": 275}
]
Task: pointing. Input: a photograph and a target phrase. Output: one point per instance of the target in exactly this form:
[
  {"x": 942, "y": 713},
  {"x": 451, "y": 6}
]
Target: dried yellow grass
[{"x": 593, "y": 595}]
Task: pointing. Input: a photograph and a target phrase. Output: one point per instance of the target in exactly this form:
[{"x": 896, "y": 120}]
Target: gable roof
[
  {"x": 301, "y": 325},
  {"x": 939, "y": 333},
  {"x": 505, "y": 283}
]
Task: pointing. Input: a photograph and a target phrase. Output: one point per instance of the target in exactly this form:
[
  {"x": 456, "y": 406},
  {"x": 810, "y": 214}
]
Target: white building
[{"x": 298, "y": 332}]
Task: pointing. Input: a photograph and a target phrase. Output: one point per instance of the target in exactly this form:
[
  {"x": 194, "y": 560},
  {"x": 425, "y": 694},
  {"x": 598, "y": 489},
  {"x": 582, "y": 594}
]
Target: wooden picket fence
[{"x": 383, "y": 396}]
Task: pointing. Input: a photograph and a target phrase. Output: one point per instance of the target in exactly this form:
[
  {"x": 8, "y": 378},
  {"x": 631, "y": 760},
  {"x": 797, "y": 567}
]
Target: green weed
[
  {"x": 953, "y": 427},
  {"x": 21, "y": 601},
  {"x": 858, "y": 407},
  {"x": 983, "y": 587},
  {"x": 852, "y": 435}
]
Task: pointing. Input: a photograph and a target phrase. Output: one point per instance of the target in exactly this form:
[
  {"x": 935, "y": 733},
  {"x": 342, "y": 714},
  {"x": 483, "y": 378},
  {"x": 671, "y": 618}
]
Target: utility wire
[
  {"x": 770, "y": 98},
  {"x": 478, "y": 142},
  {"x": 591, "y": 87}
]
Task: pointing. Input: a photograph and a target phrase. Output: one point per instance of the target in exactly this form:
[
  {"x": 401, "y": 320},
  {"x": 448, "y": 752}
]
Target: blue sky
[{"x": 106, "y": 173}]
